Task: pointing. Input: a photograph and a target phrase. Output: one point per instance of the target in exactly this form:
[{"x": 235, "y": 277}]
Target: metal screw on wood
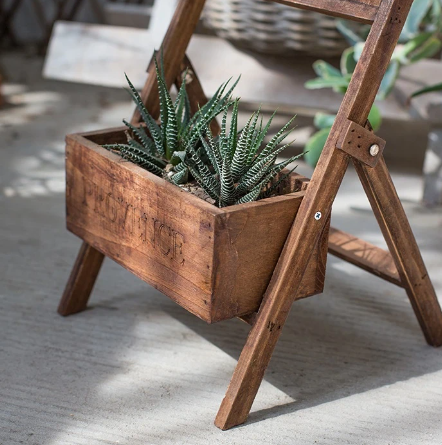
[
  {"x": 374, "y": 150},
  {"x": 318, "y": 216}
]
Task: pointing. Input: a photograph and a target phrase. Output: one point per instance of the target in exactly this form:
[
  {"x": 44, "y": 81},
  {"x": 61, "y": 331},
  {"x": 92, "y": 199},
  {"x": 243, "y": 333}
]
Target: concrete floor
[{"x": 351, "y": 368}]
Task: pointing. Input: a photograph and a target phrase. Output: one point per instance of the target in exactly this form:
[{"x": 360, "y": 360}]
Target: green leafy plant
[
  {"x": 159, "y": 148},
  {"x": 430, "y": 89},
  {"x": 421, "y": 38},
  {"x": 237, "y": 167}
]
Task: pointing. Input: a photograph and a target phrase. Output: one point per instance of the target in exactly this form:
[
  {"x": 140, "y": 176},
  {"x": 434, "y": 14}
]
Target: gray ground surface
[{"x": 351, "y": 368}]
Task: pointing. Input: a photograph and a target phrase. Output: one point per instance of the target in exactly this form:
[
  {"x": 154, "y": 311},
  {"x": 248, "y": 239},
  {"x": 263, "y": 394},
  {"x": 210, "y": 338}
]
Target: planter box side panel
[
  {"x": 248, "y": 245},
  {"x": 141, "y": 222}
]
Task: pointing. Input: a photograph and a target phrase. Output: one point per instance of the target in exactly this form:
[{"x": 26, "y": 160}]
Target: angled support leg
[
  {"x": 81, "y": 282},
  {"x": 252, "y": 364},
  {"x": 261, "y": 342},
  {"x": 312, "y": 215},
  {"x": 402, "y": 244}
]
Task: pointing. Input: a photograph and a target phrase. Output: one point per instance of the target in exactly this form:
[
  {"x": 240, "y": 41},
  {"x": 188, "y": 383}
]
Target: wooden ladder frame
[{"x": 351, "y": 138}]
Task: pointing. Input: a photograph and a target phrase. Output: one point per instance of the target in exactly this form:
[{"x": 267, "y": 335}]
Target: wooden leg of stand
[
  {"x": 251, "y": 366},
  {"x": 403, "y": 247},
  {"x": 79, "y": 287},
  {"x": 262, "y": 339}
]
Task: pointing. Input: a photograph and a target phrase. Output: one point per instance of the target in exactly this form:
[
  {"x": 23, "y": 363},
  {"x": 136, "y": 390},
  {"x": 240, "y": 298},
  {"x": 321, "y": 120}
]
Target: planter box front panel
[
  {"x": 141, "y": 222},
  {"x": 214, "y": 262}
]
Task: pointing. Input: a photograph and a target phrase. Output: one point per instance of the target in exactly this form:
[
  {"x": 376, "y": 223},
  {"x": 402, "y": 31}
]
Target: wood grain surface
[
  {"x": 214, "y": 262},
  {"x": 358, "y": 10},
  {"x": 81, "y": 281}
]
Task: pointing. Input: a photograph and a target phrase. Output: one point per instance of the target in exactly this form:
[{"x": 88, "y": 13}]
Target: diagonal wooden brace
[{"x": 361, "y": 143}]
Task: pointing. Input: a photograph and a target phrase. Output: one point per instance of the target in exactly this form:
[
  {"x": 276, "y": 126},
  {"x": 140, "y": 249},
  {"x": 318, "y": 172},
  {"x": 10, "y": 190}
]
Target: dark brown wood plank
[
  {"x": 81, "y": 281},
  {"x": 307, "y": 228},
  {"x": 403, "y": 247},
  {"x": 174, "y": 47},
  {"x": 107, "y": 136},
  {"x": 358, "y": 10},
  {"x": 362, "y": 254}
]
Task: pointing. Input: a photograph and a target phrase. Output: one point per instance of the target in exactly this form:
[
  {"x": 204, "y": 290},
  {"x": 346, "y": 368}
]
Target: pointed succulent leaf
[
  {"x": 239, "y": 161},
  {"x": 276, "y": 139},
  {"x": 162, "y": 92},
  {"x": 180, "y": 96},
  {"x": 251, "y": 196},
  {"x": 138, "y": 149},
  {"x": 215, "y": 98},
  {"x": 274, "y": 185},
  {"x": 202, "y": 169},
  {"x": 277, "y": 168},
  {"x": 171, "y": 131},
  {"x": 180, "y": 106},
  {"x": 210, "y": 153},
  {"x": 193, "y": 134},
  {"x": 187, "y": 114},
  {"x": 180, "y": 167},
  {"x": 259, "y": 169},
  {"x": 209, "y": 109},
  {"x": 152, "y": 126},
  {"x": 178, "y": 157},
  {"x": 251, "y": 136},
  {"x": 263, "y": 132},
  {"x": 233, "y": 131},
  {"x": 208, "y": 188},
  {"x": 214, "y": 148},
  {"x": 141, "y": 161},
  {"x": 141, "y": 134},
  {"x": 227, "y": 196},
  {"x": 256, "y": 144},
  {"x": 170, "y": 125},
  {"x": 180, "y": 177},
  {"x": 226, "y": 97},
  {"x": 223, "y": 136}
]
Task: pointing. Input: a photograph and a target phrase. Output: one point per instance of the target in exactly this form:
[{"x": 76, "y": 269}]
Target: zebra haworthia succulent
[
  {"x": 232, "y": 168},
  {"x": 155, "y": 146},
  {"x": 239, "y": 168}
]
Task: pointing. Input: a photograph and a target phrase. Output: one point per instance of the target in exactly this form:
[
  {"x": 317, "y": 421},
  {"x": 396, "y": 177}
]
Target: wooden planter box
[{"x": 214, "y": 262}]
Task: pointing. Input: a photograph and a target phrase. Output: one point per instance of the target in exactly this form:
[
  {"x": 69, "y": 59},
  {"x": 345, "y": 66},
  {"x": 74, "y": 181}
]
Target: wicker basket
[{"x": 273, "y": 28}]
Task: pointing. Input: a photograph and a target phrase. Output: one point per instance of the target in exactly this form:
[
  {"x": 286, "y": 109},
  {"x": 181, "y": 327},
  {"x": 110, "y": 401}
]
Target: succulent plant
[
  {"x": 231, "y": 168},
  {"x": 234, "y": 168},
  {"x": 155, "y": 146}
]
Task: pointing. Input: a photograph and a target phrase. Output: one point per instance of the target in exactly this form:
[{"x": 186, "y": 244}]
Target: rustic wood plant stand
[{"x": 108, "y": 205}]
